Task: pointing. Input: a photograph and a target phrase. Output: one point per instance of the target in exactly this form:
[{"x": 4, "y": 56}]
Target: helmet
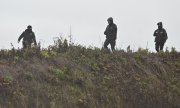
[{"x": 29, "y": 27}]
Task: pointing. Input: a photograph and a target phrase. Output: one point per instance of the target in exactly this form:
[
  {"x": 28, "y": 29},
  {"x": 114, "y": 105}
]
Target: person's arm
[
  {"x": 20, "y": 37},
  {"x": 115, "y": 31},
  {"x": 155, "y": 33},
  {"x": 34, "y": 39},
  {"x": 105, "y": 32},
  {"x": 165, "y": 35}
]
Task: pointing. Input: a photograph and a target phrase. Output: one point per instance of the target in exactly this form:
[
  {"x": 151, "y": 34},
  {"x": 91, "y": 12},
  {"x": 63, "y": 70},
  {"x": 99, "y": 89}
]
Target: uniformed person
[
  {"x": 111, "y": 34},
  {"x": 160, "y": 37},
  {"x": 28, "y": 37}
]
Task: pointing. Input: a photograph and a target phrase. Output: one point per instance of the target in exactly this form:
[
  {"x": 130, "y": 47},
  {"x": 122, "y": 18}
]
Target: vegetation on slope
[{"x": 73, "y": 76}]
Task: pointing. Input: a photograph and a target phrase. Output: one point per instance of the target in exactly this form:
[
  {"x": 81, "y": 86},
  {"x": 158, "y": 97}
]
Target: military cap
[
  {"x": 159, "y": 23},
  {"x": 29, "y": 27}
]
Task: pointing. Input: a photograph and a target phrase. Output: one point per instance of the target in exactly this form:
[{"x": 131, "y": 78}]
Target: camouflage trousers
[
  {"x": 159, "y": 46},
  {"x": 26, "y": 45},
  {"x": 111, "y": 42}
]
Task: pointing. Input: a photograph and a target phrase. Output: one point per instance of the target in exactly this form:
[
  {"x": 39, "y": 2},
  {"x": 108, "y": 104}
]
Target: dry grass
[{"x": 73, "y": 76}]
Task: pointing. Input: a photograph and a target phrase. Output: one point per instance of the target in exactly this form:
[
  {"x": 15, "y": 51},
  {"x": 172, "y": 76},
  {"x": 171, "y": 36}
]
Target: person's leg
[
  {"x": 24, "y": 45},
  {"x": 106, "y": 43},
  {"x": 29, "y": 45},
  {"x": 161, "y": 46},
  {"x": 113, "y": 43},
  {"x": 157, "y": 46}
]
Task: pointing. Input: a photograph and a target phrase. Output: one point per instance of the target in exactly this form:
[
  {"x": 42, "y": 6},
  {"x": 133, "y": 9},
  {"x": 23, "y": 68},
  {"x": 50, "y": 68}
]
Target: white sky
[{"x": 136, "y": 21}]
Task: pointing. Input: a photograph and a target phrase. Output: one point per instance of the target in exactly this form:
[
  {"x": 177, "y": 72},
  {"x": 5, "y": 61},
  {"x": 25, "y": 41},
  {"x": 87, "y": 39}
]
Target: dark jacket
[
  {"x": 111, "y": 32},
  {"x": 160, "y": 35},
  {"x": 28, "y": 37}
]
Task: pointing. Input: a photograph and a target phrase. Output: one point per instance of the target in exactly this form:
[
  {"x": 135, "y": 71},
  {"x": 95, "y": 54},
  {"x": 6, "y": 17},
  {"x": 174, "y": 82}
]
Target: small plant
[
  {"x": 173, "y": 50},
  {"x": 45, "y": 54},
  {"x": 28, "y": 76},
  {"x": 7, "y": 80},
  {"x": 129, "y": 49},
  {"x": 141, "y": 50},
  {"x": 59, "y": 73},
  {"x": 167, "y": 50}
]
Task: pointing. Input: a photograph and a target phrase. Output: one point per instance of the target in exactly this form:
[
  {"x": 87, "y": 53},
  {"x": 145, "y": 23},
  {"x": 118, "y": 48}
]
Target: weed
[
  {"x": 59, "y": 73},
  {"x": 28, "y": 76},
  {"x": 8, "y": 80},
  {"x": 173, "y": 50}
]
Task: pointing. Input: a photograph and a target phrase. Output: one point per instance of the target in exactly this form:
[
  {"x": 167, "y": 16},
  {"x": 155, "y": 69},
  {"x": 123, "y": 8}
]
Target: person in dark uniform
[
  {"x": 160, "y": 37},
  {"x": 28, "y": 37},
  {"x": 111, "y": 34}
]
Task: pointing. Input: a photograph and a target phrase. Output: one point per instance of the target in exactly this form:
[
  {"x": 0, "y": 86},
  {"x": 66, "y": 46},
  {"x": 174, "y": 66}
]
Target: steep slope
[{"x": 78, "y": 77}]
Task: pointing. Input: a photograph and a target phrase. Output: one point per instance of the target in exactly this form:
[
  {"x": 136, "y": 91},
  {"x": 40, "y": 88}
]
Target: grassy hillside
[{"x": 73, "y": 76}]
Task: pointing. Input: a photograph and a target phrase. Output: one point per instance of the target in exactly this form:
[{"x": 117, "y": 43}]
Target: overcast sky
[{"x": 136, "y": 21}]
